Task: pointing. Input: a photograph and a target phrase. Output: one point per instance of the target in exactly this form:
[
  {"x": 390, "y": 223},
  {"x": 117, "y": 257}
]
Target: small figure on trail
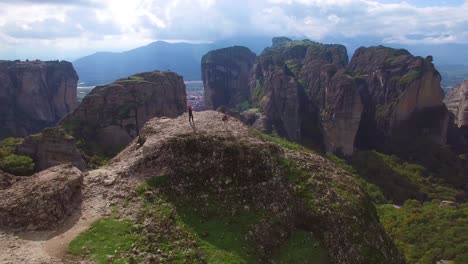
[
  {"x": 225, "y": 120},
  {"x": 190, "y": 114}
]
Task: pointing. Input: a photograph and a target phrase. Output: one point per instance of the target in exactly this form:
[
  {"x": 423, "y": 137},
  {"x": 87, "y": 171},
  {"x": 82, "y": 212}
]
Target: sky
[{"x": 69, "y": 29}]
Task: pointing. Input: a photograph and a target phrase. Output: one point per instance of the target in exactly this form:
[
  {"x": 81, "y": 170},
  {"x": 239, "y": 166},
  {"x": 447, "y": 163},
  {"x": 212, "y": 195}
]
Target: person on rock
[
  {"x": 225, "y": 120},
  {"x": 190, "y": 114}
]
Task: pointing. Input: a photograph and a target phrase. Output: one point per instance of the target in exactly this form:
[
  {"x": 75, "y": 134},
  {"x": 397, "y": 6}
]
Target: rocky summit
[
  {"x": 189, "y": 180},
  {"x": 35, "y": 95},
  {"x": 110, "y": 116},
  {"x": 225, "y": 74}
]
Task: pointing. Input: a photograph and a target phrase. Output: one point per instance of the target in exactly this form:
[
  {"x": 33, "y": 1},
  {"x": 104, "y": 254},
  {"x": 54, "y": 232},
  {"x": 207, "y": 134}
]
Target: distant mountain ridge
[{"x": 184, "y": 58}]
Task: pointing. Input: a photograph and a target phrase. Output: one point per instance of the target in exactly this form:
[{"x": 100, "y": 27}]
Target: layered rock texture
[
  {"x": 50, "y": 148},
  {"x": 35, "y": 95},
  {"x": 309, "y": 93},
  {"x": 42, "y": 201},
  {"x": 225, "y": 74},
  {"x": 112, "y": 115}
]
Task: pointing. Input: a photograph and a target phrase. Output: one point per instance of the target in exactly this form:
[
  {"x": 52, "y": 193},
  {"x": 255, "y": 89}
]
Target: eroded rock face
[
  {"x": 398, "y": 90},
  {"x": 42, "y": 201},
  {"x": 225, "y": 74},
  {"x": 50, "y": 148},
  {"x": 310, "y": 93},
  {"x": 111, "y": 115},
  {"x": 305, "y": 92},
  {"x": 35, "y": 95},
  {"x": 457, "y": 103}
]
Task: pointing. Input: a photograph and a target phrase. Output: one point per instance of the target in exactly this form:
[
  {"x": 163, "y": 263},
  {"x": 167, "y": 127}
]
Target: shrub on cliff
[{"x": 12, "y": 163}]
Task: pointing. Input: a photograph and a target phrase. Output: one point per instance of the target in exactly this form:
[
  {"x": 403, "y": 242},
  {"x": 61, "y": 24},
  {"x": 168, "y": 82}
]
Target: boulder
[
  {"x": 225, "y": 74},
  {"x": 42, "y": 201},
  {"x": 50, "y": 148},
  {"x": 110, "y": 116},
  {"x": 35, "y": 95}
]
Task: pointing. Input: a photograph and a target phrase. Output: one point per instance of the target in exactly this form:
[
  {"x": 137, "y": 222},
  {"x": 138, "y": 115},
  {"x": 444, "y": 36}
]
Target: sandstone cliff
[
  {"x": 110, "y": 116},
  {"x": 50, "y": 148},
  {"x": 306, "y": 94},
  {"x": 309, "y": 93},
  {"x": 402, "y": 97},
  {"x": 225, "y": 74},
  {"x": 457, "y": 103},
  {"x": 35, "y": 95}
]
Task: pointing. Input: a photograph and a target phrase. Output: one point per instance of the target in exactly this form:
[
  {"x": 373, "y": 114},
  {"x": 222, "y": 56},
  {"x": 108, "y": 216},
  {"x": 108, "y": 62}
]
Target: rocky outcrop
[
  {"x": 402, "y": 97},
  {"x": 110, "y": 116},
  {"x": 42, "y": 201},
  {"x": 456, "y": 100},
  {"x": 310, "y": 94},
  {"x": 35, "y": 95},
  {"x": 225, "y": 74},
  {"x": 457, "y": 103},
  {"x": 50, "y": 148},
  {"x": 243, "y": 174},
  {"x": 306, "y": 94}
]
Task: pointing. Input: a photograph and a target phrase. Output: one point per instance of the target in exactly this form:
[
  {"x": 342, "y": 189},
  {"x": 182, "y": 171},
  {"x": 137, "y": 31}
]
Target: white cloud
[{"x": 73, "y": 28}]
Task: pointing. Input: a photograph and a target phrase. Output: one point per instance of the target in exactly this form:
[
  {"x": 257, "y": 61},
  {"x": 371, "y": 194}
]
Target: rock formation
[
  {"x": 306, "y": 94},
  {"x": 225, "y": 74},
  {"x": 241, "y": 173},
  {"x": 310, "y": 94},
  {"x": 110, "y": 116},
  {"x": 42, "y": 201},
  {"x": 457, "y": 103},
  {"x": 402, "y": 97},
  {"x": 50, "y": 148},
  {"x": 35, "y": 95}
]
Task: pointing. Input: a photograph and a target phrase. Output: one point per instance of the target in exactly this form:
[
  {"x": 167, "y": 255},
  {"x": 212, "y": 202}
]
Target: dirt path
[{"x": 103, "y": 188}]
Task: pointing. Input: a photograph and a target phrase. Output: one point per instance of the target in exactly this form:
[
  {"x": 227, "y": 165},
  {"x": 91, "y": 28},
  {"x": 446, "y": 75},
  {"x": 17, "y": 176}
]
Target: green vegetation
[
  {"x": 423, "y": 231},
  {"x": 136, "y": 78},
  {"x": 399, "y": 180},
  {"x": 293, "y": 66},
  {"x": 301, "y": 247},
  {"x": 12, "y": 163},
  {"x": 106, "y": 237},
  {"x": 282, "y": 142},
  {"x": 411, "y": 76},
  {"x": 428, "y": 233},
  {"x": 245, "y": 105}
]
